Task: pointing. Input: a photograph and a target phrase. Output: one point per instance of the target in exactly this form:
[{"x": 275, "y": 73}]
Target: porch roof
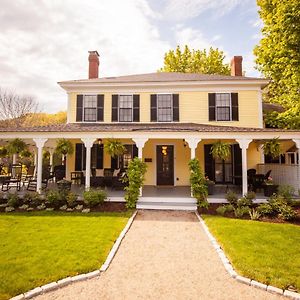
[{"x": 139, "y": 127}]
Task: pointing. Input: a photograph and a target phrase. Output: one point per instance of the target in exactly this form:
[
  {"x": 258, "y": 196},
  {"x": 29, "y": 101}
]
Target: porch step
[
  {"x": 167, "y": 200},
  {"x": 166, "y": 205}
]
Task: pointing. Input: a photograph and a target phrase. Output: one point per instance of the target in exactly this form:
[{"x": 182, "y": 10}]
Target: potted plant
[
  {"x": 269, "y": 187},
  {"x": 210, "y": 186},
  {"x": 114, "y": 147},
  {"x": 220, "y": 150},
  {"x": 15, "y": 147},
  {"x": 64, "y": 185},
  {"x": 272, "y": 147},
  {"x": 64, "y": 147}
]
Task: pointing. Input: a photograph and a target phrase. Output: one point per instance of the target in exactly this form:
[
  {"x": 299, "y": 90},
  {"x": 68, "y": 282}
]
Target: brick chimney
[
  {"x": 236, "y": 66},
  {"x": 93, "y": 64}
]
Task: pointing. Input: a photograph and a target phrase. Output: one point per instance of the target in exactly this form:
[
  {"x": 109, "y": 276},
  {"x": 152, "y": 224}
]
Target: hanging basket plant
[
  {"x": 272, "y": 147},
  {"x": 114, "y": 147},
  {"x": 64, "y": 147},
  {"x": 3, "y": 152},
  {"x": 16, "y": 146},
  {"x": 220, "y": 150}
]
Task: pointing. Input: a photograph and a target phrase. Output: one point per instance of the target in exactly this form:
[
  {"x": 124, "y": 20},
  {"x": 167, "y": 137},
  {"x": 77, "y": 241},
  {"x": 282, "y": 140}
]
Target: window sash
[
  {"x": 125, "y": 108},
  {"x": 90, "y": 108},
  {"x": 223, "y": 107},
  {"x": 164, "y": 108}
]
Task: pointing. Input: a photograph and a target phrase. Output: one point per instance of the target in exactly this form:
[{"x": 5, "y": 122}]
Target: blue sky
[{"x": 46, "y": 41}]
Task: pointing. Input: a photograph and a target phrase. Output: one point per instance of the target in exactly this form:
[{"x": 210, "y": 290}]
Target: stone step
[
  {"x": 183, "y": 200},
  {"x": 167, "y": 206}
]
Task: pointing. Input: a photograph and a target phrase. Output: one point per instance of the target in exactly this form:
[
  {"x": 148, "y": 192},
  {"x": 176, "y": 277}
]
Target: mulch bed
[{"x": 213, "y": 206}]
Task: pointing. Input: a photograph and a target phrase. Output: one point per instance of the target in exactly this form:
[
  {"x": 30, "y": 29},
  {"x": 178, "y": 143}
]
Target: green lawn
[
  {"x": 38, "y": 248},
  {"x": 267, "y": 252}
]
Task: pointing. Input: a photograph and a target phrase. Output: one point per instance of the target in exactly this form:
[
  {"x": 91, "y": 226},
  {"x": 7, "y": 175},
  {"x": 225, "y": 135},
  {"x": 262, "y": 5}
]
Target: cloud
[
  {"x": 46, "y": 41},
  {"x": 186, "y": 9}
]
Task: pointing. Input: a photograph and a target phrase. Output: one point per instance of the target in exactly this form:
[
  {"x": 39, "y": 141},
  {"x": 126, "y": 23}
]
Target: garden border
[
  {"x": 69, "y": 280},
  {"x": 229, "y": 268}
]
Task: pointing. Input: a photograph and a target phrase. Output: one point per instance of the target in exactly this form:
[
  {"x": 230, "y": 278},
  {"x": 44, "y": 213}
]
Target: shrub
[
  {"x": 254, "y": 214},
  {"x": 286, "y": 213},
  {"x": 286, "y": 191},
  {"x": 198, "y": 183},
  {"x": 33, "y": 199},
  {"x": 229, "y": 208},
  {"x": 221, "y": 210},
  {"x": 265, "y": 209},
  {"x": 94, "y": 197},
  {"x": 71, "y": 199},
  {"x": 239, "y": 212},
  {"x": 13, "y": 200},
  {"x": 231, "y": 197},
  {"x": 135, "y": 178},
  {"x": 55, "y": 199},
  {"x": 250, "y": 195},
  {"x": 244, "y": 202}
]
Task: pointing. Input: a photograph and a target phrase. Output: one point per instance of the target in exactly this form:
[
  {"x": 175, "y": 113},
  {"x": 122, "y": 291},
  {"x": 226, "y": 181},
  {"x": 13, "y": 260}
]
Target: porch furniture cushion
[
  {"x": 116, "y": 172},
  {"x": 76, "y": 177},
  {"x": 99, "y": 172}
]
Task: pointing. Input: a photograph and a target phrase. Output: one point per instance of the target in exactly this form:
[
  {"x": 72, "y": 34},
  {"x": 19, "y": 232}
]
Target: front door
[{"x": 165, "y": 165}]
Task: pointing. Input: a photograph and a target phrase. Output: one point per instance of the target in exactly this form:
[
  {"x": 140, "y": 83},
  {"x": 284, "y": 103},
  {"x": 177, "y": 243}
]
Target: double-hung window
[
  {"x": 125, "y": 108},
  {"x": 223, "y": 107},
  {"x": 90, "y": 108},
  {"x": 164, "y": 108}
]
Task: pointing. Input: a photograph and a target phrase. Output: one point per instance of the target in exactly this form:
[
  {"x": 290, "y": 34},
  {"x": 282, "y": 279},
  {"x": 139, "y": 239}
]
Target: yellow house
[{"x": 165, "y": 119}]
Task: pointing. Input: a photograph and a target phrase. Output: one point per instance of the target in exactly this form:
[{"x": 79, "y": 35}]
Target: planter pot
[
  {"x": 64, "y": 185},
  {"x": 211, "y": 189},
  {"x": 270, "y": 189}
]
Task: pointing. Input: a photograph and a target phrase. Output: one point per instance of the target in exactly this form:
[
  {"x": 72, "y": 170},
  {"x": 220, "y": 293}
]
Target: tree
[
  {"x": 14, "y": 108},
  {"x": 195, "y": 61},
  {"x": 278, "y": 58}
]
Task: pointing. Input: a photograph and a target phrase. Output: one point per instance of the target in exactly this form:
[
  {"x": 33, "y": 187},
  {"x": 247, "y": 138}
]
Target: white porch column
[
  {"x": 35, "y": 161},
  {"x": 297, "y": 144},
  {"x": 244, "y": 143},
  {"x": 15, "y": 156},
  {"x": 88, "y": 143},
  {"x": 51, "y": 152},
  {"x": 40, "y": 142},
  {"x": 140, "y": 143},
  {"x": 193, "y": 143}
]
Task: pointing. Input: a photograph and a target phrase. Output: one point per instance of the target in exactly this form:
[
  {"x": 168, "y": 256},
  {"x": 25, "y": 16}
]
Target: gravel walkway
[{"x": 165, "y": 255}]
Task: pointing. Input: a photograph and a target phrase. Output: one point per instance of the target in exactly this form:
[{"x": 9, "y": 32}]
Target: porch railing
[{"x": 282, "y": 174}]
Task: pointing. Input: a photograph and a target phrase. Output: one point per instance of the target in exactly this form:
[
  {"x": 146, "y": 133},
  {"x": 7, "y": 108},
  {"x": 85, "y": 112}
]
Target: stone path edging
[
  {"x": 68, "y": 280},
  {"x": 229, "y": 268}
]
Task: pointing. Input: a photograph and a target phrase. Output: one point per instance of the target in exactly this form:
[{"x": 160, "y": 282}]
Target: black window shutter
[
  {"x": 114, "y": 162},
  {"x": 79, "y": 108},
  {"x": 99, "y": 157},
  {"x": 153, "y": 108},
  {"x": 135, "y": 151},
  {"x": 209, "y": 163},
  {"x": 136, "y": 108},
  {"x": 211, "y": 106},
  {"x": 235, "y": 106},
  {"x": 237, "y": 160},
  {"x": 114, "y": 108},
  {"x": 78, "y": 157},
  {"x": 84, "y": 157},
  {"x": 175, "y": 107},
  {"x": 100, "y": 107}
]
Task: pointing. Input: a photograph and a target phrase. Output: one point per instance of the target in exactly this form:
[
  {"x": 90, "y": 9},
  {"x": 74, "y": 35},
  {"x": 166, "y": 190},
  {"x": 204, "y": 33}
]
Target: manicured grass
[
  {"x": 38, "y": 248},
  {"x": 266, "y": 252}
]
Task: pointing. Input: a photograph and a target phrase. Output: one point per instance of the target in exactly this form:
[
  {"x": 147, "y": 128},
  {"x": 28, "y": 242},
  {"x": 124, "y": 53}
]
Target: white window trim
[
  {"x": 125, "y": 94},
  {"x": 172, "y": 117},
  {"x": 230, "y": 107}
]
